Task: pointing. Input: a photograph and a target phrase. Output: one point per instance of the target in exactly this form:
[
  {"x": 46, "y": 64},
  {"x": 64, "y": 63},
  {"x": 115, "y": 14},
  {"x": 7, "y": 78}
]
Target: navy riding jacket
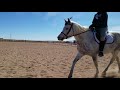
[{"x": 100, "y": 20}]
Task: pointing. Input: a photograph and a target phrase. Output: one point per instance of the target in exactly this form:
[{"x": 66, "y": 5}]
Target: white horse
[{"x": 86, "y": 45}]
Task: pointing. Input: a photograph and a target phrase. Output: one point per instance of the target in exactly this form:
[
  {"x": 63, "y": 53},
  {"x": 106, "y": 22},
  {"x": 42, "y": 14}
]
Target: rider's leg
[{"x": 102, "y": 41}]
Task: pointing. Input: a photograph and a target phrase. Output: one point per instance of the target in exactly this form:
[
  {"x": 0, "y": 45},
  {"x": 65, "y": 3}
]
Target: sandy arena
[{"x": 47, "y": 60}]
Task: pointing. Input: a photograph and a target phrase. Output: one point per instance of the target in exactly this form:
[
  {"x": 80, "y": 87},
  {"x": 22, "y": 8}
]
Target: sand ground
[{"x": 46, "y": 60}]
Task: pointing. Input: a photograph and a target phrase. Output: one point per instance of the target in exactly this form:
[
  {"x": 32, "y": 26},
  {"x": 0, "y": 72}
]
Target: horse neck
[{"x": 83, "y": 37}]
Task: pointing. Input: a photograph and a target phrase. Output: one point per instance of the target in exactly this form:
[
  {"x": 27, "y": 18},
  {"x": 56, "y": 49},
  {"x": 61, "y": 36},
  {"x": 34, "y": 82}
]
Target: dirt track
[{"x": 46, "y": 60}]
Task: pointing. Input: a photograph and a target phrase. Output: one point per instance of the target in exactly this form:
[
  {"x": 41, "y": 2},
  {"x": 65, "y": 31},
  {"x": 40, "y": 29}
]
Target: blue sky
[{"x": 46, "y": 25}]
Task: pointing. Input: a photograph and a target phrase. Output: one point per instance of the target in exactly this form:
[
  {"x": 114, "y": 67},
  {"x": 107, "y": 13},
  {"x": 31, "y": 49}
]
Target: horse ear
[
  {"x": 70, "y": 17},
  {"x": 65, "y": 21},
  {"x": 68, "y": 20}
]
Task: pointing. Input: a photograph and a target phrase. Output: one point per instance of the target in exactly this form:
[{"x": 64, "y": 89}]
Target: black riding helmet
[{"x": 100, "y": 12}]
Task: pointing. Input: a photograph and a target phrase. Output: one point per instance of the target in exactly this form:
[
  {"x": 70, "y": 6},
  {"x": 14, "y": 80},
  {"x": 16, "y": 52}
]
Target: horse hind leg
[
  {"x": 104, "y": 72},
  {"x": 111, "y": 61},
  {"x": 117, "y": 59}
]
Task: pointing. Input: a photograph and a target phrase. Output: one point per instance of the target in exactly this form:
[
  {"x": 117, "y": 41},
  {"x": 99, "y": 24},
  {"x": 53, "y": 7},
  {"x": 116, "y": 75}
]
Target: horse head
[{"x": 67, "y": 30}]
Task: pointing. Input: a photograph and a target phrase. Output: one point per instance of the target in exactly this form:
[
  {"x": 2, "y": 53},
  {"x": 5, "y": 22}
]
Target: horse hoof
[
  {"x": 95, "y": 76},
  {"x": 118, "y": 71},
  {"x": 103, "y": 74},
  {"x": 69, "y": 76}
]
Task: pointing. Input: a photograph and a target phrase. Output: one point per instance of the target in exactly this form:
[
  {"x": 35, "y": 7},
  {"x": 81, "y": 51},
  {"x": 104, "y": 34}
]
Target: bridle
[{"x": 71, "y": 27}]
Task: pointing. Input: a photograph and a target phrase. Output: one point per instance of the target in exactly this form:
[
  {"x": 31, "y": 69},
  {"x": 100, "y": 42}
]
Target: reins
[{"x": 73, "y": 32}]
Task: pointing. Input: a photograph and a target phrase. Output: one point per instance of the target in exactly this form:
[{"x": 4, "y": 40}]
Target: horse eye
[{"x": 67, "y": 28}]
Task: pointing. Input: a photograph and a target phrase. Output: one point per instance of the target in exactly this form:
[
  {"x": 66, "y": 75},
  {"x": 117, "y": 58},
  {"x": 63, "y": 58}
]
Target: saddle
[{"x": 109, "y": 38}]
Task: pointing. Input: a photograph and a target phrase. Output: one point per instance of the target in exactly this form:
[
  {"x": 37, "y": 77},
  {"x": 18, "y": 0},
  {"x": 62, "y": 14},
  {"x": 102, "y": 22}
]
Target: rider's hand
[{"x": 91, "y": 27}]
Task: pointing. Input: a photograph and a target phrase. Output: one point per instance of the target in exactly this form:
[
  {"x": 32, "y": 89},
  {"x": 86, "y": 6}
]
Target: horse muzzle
[{"x": 60, "y": 38}]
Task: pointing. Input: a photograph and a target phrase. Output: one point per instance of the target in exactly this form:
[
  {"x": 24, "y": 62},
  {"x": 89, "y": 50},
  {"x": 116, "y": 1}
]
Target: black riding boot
[{"x": 101, "y": 47}]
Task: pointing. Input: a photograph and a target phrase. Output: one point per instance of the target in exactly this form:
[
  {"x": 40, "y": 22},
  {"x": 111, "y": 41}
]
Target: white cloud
[
  {"x": 20, "y": 13},
  {"x": 37, "y": 13},
  {"x": 114, "y": 29},
  {"x": 85, "y": 26},
  {"x": 48, "y": 15},
  {"x": 52, "y": 13}
]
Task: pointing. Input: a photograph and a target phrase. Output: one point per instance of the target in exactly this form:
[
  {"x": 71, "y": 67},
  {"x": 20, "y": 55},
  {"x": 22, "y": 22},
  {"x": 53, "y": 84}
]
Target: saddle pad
[{"x": 109, "y": 38}]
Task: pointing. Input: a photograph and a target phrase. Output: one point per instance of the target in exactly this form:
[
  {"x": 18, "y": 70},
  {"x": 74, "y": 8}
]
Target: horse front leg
[{"x": 78, "y": 56}]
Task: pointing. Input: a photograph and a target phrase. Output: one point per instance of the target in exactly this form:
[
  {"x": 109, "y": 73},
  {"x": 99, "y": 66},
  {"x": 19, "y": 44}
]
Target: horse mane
[{"x": 81, "y": 28}]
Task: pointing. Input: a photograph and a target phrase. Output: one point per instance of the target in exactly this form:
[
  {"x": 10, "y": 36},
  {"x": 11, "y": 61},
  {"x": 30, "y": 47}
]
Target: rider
[{"x": 100, "y": 24}]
